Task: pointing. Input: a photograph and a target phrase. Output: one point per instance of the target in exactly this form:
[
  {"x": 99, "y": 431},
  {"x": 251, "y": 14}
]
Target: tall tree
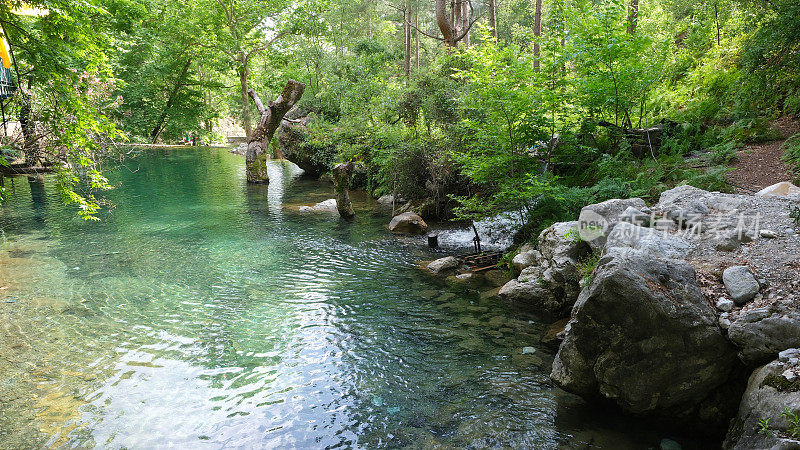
[
  {"x": 490, "y": 4},
  {"x": 537, "y": 31},
  {"x": 251, "y": 29},
  {"x": 633, "y": 15}
]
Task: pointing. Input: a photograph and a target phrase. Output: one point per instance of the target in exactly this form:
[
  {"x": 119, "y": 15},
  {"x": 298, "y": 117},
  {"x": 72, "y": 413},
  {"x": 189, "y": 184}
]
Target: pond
[{"x": 202, "y": 312}]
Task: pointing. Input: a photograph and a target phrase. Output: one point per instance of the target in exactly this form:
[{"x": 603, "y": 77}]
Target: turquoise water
[{"x": 202, "y": 312}]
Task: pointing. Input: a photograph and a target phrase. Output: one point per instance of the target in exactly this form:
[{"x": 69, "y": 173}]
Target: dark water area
[{"x": 202, "y": 312}]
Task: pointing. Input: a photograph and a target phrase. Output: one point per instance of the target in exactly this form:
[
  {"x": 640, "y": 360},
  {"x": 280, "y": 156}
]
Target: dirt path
[{"x": 759, "y": 165}]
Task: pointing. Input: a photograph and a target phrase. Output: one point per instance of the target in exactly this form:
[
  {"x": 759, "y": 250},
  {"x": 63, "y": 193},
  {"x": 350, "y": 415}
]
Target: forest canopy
[{"x": 471, "y": 108}]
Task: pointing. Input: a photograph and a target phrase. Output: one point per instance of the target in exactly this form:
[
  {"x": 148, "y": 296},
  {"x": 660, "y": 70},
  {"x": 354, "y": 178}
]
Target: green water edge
[{"x": 202, "y": 312}]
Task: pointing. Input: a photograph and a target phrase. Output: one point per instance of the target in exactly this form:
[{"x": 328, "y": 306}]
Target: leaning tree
[{"x": 271, "y": 117}]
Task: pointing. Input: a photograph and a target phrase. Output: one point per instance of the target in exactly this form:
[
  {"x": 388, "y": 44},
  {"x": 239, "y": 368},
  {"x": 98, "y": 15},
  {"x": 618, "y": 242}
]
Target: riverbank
[{"x": 673, "y": 307}]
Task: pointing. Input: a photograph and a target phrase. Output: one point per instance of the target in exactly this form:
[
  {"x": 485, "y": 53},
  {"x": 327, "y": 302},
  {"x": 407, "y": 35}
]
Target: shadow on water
[{"x": 202, "y": 312}]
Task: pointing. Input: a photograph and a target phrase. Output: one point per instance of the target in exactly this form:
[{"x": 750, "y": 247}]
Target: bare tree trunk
[
  {"x": 163, "y": 118},
  {"x": 271, "y": 117},
  {"x": 445, "y": 23},
  {"x": 464, "y": 10},
  {"x": 342, "y": 174},
  {"x": 244, "y": 73},
  {"x": 633, "y": 16},
  {"x": 537, "y": 31},
  {"x": 492, "y": 17},
  {"x": 407, "y": 39},
  {"x": 416, "y": 34}
]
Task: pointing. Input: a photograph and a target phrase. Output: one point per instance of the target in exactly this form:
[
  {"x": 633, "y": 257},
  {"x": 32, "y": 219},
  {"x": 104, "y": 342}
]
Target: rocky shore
[{"x": 687, "y": 312}]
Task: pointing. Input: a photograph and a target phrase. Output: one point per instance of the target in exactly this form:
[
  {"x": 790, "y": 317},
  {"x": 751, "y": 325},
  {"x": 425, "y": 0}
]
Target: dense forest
[{"x": 471, "y": 107}]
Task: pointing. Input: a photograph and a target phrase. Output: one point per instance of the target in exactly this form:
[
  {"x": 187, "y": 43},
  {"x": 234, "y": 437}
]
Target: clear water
[{"x": 201, "y": 312}]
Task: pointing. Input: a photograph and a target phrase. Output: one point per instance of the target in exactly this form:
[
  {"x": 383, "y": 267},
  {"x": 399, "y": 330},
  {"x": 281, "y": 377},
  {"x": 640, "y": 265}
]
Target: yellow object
[{"x": 4, "y": 53}]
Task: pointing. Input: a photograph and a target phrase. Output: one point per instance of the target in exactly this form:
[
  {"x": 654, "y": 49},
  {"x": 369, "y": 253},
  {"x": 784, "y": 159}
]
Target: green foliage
[
  {"x": 763, "y": 427},
  {"x": 791, "y": 154},
  {"x": 794, "y": 422},
  {"x": 587, "y": 266}
]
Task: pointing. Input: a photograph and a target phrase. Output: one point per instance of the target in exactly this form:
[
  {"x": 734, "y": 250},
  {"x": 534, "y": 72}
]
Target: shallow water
[{"x": 201, "y": 312}]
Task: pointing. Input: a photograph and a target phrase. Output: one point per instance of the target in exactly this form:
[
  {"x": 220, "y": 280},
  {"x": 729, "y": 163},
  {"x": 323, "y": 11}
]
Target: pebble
[
  {"x": 789, "y": 375},
  {"x": 528, "y": 350},
  {"x": 724, "y": 304},
  {"x": 724, "y": 323},
  {"x": 768, "y": 234}
]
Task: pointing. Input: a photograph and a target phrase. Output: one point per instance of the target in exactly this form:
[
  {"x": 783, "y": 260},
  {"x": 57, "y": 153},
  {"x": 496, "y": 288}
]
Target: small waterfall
[{"x": 496, "y": 233}]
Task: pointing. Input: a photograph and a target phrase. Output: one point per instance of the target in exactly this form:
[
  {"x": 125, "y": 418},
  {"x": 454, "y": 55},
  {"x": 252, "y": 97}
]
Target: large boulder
[
  {"x": 643, "y": 336},
  {"x": 761, "y": 422},
  {"x": 596, "y": 221},
  {"x": 408, "y": 223},
  {"x": 536, "y": 295},
  {"x": 761, "y": 333},
  {"x": 648, "y": 240}
]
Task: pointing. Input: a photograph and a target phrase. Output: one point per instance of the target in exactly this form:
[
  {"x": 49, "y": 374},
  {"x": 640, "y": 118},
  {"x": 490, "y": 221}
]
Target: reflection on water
[{"x": 204, "y": 312}]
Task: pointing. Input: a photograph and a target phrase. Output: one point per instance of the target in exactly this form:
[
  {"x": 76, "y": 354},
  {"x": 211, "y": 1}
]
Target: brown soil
[{"x": 759, "y": 165}]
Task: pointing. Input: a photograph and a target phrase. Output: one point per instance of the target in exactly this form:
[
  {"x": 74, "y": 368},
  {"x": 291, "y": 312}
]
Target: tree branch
[{"x": 257, "y": 100}]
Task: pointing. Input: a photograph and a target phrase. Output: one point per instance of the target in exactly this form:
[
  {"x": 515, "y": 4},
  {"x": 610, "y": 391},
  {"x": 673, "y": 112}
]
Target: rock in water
[
  {"x": 342, "y": 175},
  {"x": 643, "y": 336},
  {"x": 326, "y": 206},
  {"x": 740, "y": 283},
  {"x": 443, "y": 264},
  {"x": 764, "y": 401},
  {"x": 409, "y": 223}
]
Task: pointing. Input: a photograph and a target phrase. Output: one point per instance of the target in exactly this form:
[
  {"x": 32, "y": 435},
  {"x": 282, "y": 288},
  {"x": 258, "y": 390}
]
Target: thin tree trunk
[
  {"x": 445, "y": 22},
  {"x": 271, "y": 117},
  {"x": 633, "y": 16},
  {"x": 163, "y": 118},
  {"x": 537, "y": 31},
  {"x": 493, "y": 17},
  {"x": 464, "y": 27},
  {"x": 244, "y": 73},
  {"x": 416, "y": 34},
  {"x": 407, "y": 39}
]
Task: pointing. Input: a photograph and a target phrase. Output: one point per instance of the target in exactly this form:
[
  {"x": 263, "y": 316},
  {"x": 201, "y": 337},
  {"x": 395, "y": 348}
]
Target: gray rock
[
  {"x": 788, "y": 354},
  {"x": 523, "y": 260},
  {"x": 762, "y": 401},
  {"x": 762, "y": 333},
  {"x": 409, "y": 223},
  {"x": 669, "y": 444},
  {"x": 596, "y": 221},
  {"x": 536, "y": 296},
  {"x": 740, "y": 283},
  {"x": 635, "y": 216},
  {"x": 724, "y": 304},
  {"x": 768, "y": 234},
  {"x": 684, "y": 204},
  {"x": 643, "y": 336},
  {"x": 443, "y": 264},
  {"x": 724, "y": 323},
  {"x": 326, "y": 206},
  {"x": 647, "y": 240}
]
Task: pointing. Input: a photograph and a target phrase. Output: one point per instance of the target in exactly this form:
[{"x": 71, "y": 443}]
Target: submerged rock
[
  {"x": 443, "y": 264},
  {"x": 326, "y": 206},
  {"x": 643, "y": 337},
  {"x": 408, "y": 223}
]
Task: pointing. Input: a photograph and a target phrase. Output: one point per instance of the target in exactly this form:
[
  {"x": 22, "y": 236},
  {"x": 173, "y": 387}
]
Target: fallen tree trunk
[
  {"x": 643, "y": 141},
  {"x": 271, "y": 117}
]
